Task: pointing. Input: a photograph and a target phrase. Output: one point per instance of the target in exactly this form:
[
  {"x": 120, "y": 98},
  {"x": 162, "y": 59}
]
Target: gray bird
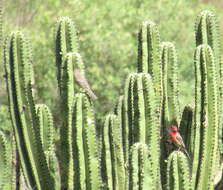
[{"x": 83, "y": 83}]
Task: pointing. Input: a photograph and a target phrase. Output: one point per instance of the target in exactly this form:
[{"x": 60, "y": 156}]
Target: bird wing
[
  {"x": 83, "y": 83},
  {"x": 180, "y": 140}
]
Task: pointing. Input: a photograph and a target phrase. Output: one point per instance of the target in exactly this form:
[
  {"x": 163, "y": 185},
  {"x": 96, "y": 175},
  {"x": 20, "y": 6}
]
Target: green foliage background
[{"x": 108, "y": 41}]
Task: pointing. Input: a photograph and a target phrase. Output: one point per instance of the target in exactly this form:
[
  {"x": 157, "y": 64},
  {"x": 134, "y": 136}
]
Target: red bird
[{"x": 175, "y": 138}]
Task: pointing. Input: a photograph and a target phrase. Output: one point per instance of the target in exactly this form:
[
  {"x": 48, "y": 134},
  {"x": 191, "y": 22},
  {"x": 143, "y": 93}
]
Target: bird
[
  {"x": 83, "y": 83},
  {"x": 175, "y": 138}
]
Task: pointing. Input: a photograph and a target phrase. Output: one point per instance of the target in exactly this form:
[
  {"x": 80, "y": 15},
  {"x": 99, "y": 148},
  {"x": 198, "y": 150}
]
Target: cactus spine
[
  {"x": 113, "y": 167},
  {"x": 178, "y": 177}
]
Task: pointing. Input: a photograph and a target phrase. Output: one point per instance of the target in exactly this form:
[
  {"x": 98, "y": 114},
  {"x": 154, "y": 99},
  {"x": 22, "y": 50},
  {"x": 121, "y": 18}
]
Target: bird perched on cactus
[
  {"x": 83, "y": 83},
  {"x": 175, "y": 138}
]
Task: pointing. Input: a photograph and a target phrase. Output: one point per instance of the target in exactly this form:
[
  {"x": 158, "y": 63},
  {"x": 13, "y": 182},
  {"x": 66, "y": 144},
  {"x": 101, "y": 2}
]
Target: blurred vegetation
[{"x": 108, "y": 41}]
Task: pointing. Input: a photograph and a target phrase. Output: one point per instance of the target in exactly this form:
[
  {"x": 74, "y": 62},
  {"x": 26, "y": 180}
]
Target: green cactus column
[
  {"x": 206, "y": 119},
  {"x": 171, "y": 110},
  {"x": 67, "y": 98},
  {"x": 186, "y": 127},
  {"x": 178, "y": 172},
  {"x": 47, "y": 135},
  {"x": 113, "y": 166},
  {"x": 207, "y": 32},
  {"x": 144, "y": 126},
  {"x": 85, "y": 151},
  {"x": 140, "y": 168},
  {"x": 19, "y": 80},
  {"x": 46, "y": 126},
  {"x": 149, "y": 57},
  {"x": 65, "y": 41},
  {"x": 122, "y": 114},
  {"x": 170, "y": 107},
  {"x": 5, "y": 174},
  {"x": 72, "y": 61}
]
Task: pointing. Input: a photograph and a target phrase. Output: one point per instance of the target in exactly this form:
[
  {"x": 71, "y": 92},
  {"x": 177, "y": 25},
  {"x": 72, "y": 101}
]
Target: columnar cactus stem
[
  {"x": 207, "y": 32},
  {"x": 141, "y": 106},
  {"x": 171, "y": 110},
  {"x": 46, "y": 127},
  {"x": 205, "y": 62},
  {"x": 85, "y": 149},
  {"x": 186, "y": 127},
  {"x": 72, "y": 61},
  {"x": 121, "y": 113},
  {"x": 113, "y": 166},
  {"x": 65, "y": 41},
  {"x": 149, "y": 57},
  {"x": 67, "y": 96},
  {"x": 47, "y": 132},
  {"x": 4, "y": 163},
  {"x": 178, "y": 177},
  {"x": 129, "y": 106},
  {"x": 19, "y": 78},
  {"x": 140, "y": 168}
]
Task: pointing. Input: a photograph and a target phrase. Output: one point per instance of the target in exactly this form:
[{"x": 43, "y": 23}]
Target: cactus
[
  {"x": 18, "y": 74},
  {"x": 71, "y": 61},
  {"x": 207, "y": 123},
  {"x": 46, "y": 126},
  {"x": 186, "y": 127},
  {"x": 125, "y": 152},
  {"x": 207, "y": 32},
  {"x": 140, "y": 104},
  {"x": 140, "y": 168},
  {"x": 85, "y": 151},
  {"x": 4, "y": 164},
  {"x": 65, "y": 41},
  {"x": 178, "y": 177},
  {"x": 121, "y": 113},
  {"x": 149, "y": 58},
  {"x": 171, "y": 110},
  {"x": 113, "y": 167},
  {"x": 47, "y": 133}
]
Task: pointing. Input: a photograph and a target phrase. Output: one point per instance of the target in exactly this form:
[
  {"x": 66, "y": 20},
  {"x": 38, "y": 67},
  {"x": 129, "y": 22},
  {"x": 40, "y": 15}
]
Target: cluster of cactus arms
[{"x": 131, "y": 151}]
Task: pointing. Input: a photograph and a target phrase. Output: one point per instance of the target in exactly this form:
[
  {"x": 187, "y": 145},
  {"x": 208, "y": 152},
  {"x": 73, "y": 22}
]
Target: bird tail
[
  {"x": 187, "y": 154},
  {"x": 91, "y": 94}
]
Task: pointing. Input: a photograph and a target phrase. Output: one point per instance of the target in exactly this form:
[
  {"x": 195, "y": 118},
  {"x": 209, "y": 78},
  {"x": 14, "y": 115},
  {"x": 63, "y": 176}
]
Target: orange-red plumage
[{"x": 175, "y": 137}]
